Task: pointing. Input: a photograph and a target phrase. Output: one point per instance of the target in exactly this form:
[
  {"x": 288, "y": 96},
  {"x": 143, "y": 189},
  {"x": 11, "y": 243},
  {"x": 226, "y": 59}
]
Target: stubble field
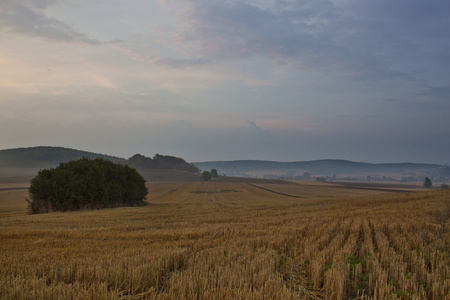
[{"x": 232, "y": 240}]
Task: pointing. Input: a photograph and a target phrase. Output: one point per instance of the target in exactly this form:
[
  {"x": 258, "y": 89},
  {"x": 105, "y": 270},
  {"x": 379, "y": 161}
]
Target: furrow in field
[{"x": 214, "y": 240}]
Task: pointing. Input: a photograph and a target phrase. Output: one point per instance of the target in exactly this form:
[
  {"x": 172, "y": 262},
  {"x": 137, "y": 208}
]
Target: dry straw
[{"x": 230, "y": 241}]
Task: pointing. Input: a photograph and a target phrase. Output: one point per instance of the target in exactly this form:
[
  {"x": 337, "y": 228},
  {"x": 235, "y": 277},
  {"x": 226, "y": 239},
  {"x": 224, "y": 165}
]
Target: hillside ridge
[
  {"x": 331, "y": 168},
  {"x": 263, "y": 164},
  {"x": 48, "y": 156}
]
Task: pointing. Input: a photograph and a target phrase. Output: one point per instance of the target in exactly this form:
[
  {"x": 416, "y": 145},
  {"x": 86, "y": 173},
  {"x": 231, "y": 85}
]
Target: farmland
[{"x": 232, "y": 240}]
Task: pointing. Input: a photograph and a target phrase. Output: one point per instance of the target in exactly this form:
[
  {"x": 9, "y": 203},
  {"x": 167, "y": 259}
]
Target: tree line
[
  {"x": 158, "y": 161},
  {"x": 208, "y": 175}
]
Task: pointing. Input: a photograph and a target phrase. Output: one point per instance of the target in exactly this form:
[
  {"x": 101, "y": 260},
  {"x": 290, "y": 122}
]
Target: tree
[
  {"x": 214, "y": 173},
  {"x": 86, "y": 183},
  {"x": 206, "y": 175},
  {"x": 142, "y": 162},
  {"x": 427, "y": 183}
]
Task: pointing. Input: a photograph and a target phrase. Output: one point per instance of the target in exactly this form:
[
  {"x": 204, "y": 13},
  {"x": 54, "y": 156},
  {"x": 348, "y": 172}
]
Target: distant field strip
[
  {"x": 12, "y": 189},
  {"x": 229, "y": 240},
  {"x": 381, "y": 188},
  {"x": 275, "y": 192}
]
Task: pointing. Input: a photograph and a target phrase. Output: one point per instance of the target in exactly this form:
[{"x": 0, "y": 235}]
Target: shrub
[
  {"x": 86, "y": 183},
  {"x": 427, "y": 183},
  {"x": 206, "y": 175},
  {"x": 214, "y": 173}
]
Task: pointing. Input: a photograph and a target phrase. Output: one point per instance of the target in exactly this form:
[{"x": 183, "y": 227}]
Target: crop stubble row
[{"x": 232, "y": 240}]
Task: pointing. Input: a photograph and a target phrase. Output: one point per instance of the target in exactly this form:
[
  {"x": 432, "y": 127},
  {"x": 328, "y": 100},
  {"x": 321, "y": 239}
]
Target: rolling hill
[
  {"x": 22, "y": 164},
  {"x": 45, "y": 157},
  {"x": 333, "y": 168}
]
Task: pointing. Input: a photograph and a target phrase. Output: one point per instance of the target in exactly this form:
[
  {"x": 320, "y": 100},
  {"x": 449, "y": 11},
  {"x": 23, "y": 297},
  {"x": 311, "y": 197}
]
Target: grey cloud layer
[
  {"x": 28, "y": 18},
  {"x": 313, "y": 78},
  {"x": 373, "y": 38}
]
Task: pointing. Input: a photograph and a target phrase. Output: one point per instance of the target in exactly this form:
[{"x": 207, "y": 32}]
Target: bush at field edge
[{"x": 86, "y": 184}]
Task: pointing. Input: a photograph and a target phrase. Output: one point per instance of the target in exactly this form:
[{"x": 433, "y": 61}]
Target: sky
[{"x": 287, "y": 80}]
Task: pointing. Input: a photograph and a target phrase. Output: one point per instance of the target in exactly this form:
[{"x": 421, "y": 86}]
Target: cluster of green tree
[
  {"x": 208, "y": 175},
  {"x": 142, "y": 162},
  {"x": 86, "y": 183},
  {"x": 428, "y": 184}
]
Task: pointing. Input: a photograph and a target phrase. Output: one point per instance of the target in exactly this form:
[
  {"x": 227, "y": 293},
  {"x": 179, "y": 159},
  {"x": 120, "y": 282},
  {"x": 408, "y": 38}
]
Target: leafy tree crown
[{"x": 86, "y": 183}]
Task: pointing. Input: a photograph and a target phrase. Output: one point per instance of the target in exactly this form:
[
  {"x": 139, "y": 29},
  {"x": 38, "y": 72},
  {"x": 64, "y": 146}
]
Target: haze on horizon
[{"x": 210, "y": 80}]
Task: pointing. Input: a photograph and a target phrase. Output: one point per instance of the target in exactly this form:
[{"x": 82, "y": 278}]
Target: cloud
[
  {"x": 180, "y": 63},
  {"x": 392, "y": 100},
  {"x": 231, "y": 29},
  {"x": 28, "y": 18},
  {"x": 252, "y": 127},
  {"x": 440, "y": 92},
  {"x": 371, "y": 38}
]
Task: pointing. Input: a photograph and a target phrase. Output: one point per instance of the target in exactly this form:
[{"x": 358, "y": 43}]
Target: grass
[{"x": 212, "y": 240}]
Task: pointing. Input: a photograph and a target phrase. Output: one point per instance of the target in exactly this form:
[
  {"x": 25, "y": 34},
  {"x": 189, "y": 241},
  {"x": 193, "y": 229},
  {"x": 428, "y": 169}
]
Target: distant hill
[
  {"x": 316, "y": 166},
  {"x": 23, "y": 163},
  {"x": 45, "y": 157},
  {"x": 333, "y": 168}
]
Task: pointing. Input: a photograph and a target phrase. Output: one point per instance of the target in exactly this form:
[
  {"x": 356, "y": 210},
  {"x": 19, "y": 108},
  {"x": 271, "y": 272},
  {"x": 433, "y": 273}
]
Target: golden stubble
[{"x": 213, "y": 240}]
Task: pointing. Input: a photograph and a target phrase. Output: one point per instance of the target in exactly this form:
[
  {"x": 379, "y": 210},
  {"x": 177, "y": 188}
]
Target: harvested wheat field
[{"x": 232, "y": 240}]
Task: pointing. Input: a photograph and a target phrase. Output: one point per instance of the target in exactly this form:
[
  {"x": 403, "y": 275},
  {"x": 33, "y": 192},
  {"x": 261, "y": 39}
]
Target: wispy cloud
[
  {"x": 29, "y": 18},
  {"x": 374, "y": 38},
  {"x": 440, "y": 92}
]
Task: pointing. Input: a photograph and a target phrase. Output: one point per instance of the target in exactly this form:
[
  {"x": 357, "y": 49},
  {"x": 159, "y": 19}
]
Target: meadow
[{"x": 232, "y": 240}]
